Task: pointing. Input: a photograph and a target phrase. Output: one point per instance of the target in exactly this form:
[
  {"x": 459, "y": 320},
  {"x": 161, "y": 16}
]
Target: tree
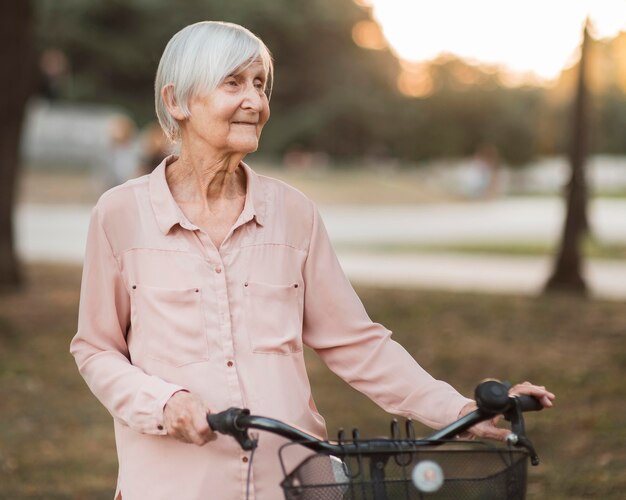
[
  {"x": 567, "y": 272},
  {"x": 329, "y": 94},
  {"x": 16, "y": 49}
]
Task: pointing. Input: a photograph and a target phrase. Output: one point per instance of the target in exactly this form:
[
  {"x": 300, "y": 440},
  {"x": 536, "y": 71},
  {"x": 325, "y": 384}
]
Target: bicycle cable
[{"x": 256, "y": 438}]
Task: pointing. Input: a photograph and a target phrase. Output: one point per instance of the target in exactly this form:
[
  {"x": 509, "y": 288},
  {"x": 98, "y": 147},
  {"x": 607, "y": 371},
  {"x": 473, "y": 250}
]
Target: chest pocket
[
  {"x": 274, "y": 317},
  {"x": 170, "y": 323}
]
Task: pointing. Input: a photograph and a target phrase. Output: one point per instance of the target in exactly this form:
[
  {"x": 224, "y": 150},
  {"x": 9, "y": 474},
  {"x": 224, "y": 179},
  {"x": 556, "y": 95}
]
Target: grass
[
  {"x": 356, "y": 184},
  {"x": 322, "y": 184},
  {"x": 56, "y": 440},
  {"x": 592, "y": 249},
  {"x": 360, "y": 186}
]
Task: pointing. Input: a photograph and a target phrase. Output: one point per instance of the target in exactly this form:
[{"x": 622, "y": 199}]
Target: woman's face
[{"x": 230, "y": 119}]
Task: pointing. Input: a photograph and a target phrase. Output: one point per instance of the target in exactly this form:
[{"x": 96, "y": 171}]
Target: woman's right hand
[{"x": 184, "y": 417}]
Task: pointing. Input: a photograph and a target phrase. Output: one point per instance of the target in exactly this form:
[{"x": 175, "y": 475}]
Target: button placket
[
  {"x": 225, "y": 326},
  {"x": 213, "y": 259}
]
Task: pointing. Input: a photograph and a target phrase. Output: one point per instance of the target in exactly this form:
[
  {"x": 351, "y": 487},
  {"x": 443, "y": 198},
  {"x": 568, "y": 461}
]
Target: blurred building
[{"x": 95, "y": 138}]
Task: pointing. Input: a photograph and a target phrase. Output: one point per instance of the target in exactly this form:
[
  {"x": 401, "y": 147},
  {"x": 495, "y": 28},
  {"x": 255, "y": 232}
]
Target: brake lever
[{"x": 518, "y": 428}]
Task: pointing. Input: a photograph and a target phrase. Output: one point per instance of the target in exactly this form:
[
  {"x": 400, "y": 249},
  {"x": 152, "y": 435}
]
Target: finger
[
  {"x": 196, "y": 438},
  {"x": 490, "y": 431},
  {"x": 540, "y": 392},
  {"x": 500, "y": 434},
  {"x": 527, "y": 386},
  {"x": 186, "y": 436},
  {"x": 537, "y": 391},
  {"x": 201, "y": 427},
  {"x": 189, "y": 431},
  {"x": 468, "y": 408},
  {"x": 180, "y": 423},
  {"x": 179, "y": 436},
  {"x": 181, "y": 428}
]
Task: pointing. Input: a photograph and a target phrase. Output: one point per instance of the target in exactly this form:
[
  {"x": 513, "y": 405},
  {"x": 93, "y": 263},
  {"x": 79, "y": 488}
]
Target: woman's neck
[{"x": 206, "y": 177}]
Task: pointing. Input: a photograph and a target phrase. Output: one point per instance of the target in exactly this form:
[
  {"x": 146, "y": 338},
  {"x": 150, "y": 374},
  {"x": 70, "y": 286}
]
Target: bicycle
[{"x": 398, "y": 468}]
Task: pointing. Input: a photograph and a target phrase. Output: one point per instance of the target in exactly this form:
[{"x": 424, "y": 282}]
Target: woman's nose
[{"x": 253, "y": 98}]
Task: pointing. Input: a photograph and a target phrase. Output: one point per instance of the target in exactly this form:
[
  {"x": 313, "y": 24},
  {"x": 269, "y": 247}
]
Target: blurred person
[
  {"x": 123, "y": 156},
  {"x": 53, "y": 72},
  {"x": 484, "y": 175},
  {"x": 202, "y": 283},
  {"x": 155, "y": 147},
  {"x": 490, "y": 158}
]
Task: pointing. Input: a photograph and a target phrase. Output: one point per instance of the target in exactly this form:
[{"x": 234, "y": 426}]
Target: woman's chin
[{"x": 246, "y": 147}]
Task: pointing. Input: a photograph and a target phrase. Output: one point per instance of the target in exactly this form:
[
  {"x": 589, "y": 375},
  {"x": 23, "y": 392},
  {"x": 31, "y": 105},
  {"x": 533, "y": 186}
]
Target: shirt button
[
  {"x": 229, "y": 364},
  {"x": 160, "y": 427},
  {"x": 244, "y": 460},
  {"x": 218, "y": 269}
]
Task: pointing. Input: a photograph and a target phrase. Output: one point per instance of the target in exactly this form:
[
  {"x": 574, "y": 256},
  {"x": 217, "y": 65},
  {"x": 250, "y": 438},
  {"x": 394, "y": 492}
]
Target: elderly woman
[{"x": 202, "y": 283}]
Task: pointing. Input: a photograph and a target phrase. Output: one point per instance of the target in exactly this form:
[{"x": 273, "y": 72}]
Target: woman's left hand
[{"x": 489, "y": 429}]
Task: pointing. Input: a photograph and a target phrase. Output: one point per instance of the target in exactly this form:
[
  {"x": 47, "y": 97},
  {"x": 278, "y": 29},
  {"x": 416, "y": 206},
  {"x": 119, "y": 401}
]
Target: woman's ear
[{"x": 167, "y": 94}]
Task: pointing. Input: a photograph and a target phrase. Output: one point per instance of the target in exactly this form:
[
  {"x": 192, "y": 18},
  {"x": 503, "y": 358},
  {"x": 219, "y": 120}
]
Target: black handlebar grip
[
  {"x": 529, "y": 403},
  {"x": 492, "y": 396},
  {"x": 216, "y": 421},
  {"x": 226, "y": 421}
]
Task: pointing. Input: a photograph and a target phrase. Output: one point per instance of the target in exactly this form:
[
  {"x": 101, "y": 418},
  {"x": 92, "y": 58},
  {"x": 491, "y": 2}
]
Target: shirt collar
[
  {"x": 168, "y": 213},
  {"x": 255, "y": 205}
]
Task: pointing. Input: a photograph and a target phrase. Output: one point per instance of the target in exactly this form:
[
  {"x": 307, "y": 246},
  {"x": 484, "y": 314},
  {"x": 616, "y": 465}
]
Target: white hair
[{"x": 198, "y": 58}]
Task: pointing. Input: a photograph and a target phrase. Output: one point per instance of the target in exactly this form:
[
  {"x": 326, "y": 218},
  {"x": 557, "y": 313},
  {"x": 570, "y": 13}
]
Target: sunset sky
[{"x": 533, "y": 37}]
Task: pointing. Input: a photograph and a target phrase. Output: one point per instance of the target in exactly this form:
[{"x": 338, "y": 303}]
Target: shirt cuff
[{"x": 159, "y": 426}]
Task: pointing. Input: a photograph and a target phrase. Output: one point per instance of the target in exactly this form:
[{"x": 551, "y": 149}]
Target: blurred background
[{"x": 469, "y": 159}]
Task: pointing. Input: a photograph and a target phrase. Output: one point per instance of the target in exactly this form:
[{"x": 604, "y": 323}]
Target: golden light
[
  {"x": 532, "y": 39},
  {"x": 620, "y": 56},
  {"x": 367, "y": 34},
  {"x": 415, "y": 80}
]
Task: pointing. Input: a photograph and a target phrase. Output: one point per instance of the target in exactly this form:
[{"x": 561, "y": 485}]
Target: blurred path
[
  {"x": 520, "y": 219},
  {"x": 52, "y": 233},
  {"x": 57, "y": 233},
  {"x": 476, "y": 273}
]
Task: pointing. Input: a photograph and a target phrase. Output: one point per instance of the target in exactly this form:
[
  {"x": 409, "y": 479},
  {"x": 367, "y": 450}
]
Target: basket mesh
[{"x": 470, "y": 471}]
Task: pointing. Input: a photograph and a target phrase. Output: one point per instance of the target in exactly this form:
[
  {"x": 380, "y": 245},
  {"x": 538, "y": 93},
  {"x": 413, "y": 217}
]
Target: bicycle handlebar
[
  {"x": 491, "y": 397},
  {"x": 237, "y": 421}
]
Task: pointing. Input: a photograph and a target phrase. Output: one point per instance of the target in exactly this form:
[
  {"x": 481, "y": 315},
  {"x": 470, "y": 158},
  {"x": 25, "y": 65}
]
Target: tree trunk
[
  {"x": 16, "y": 84},
  {"x": 567, "y": 273}
]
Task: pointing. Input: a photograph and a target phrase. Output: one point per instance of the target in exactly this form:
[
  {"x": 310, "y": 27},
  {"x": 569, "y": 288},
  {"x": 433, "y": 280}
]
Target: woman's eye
[{"x": 231, "y": 82}]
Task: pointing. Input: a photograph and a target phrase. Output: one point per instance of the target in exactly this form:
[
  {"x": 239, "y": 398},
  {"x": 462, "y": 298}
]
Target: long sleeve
[
  {"x": 99, "y": 347},
  {"x": 361, "y": 352}
]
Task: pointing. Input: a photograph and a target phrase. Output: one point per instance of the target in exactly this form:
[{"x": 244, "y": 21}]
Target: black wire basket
[{"x": 455, "y": 470}]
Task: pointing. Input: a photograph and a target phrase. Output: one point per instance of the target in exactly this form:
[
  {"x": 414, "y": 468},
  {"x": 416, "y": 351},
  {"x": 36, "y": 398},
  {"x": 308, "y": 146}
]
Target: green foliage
[
  {"x": 455, "y": 123},
  {"x": 608, "y": 132},
  {"x": 329, "y": 94}
]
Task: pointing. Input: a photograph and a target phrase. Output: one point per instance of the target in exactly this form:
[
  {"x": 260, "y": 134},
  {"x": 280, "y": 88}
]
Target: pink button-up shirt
[{"x": 162, "y": 309}]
